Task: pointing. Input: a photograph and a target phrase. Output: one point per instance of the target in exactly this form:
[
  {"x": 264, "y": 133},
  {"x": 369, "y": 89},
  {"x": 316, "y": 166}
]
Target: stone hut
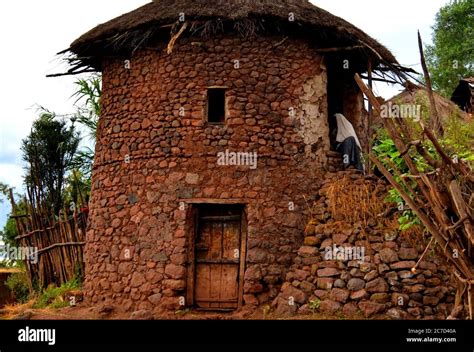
[{"x": 214, "y": 133}]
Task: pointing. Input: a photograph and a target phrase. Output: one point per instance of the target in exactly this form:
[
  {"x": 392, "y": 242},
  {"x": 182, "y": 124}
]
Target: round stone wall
[{"x": 156, "y": 153}]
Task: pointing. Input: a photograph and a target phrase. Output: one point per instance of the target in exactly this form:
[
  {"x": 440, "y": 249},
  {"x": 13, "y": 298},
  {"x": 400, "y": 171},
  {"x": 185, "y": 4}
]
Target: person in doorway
[{"x": 347, "y": 143}]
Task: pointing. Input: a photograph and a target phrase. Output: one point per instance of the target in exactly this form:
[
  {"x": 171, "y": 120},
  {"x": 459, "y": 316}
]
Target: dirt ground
[{"x": 82, "y": 312}]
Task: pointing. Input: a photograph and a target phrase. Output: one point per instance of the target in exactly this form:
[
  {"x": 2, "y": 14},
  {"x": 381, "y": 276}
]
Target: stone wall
[
  {"x": 377, "y": 280},
  {"x": 154, "y": 150}
]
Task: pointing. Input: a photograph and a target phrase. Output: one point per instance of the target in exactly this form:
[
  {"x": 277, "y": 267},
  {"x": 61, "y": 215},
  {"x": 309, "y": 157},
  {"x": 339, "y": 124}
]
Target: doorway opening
[{"x": 217, "y": 256}]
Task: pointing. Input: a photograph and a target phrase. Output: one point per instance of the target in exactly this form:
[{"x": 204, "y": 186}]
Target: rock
[
  {"x": 327, "y": 243},
  {"x": 253, "y": 287},
  {"x": 283, "y": 308},
  {"x": 371, "y": 308},
  {"x": 366, "y": 267},
  {"x": 321, "y": 294},
  {"x": 416, "y": 312},
  {"x": 430, "y": 301},
  {"x": 339, "y": 295},
  {"x": 328, "y": 272},
  {"x": 339, "y": 238},
  {"x": 380, "y": 297},
  {"x": 250, "y": 300},
  {"x": 138, "y": 279},
  {"x": 433, "y": 291},
  {"x": 301, "y": 275},
  {"x": 405, "y": 274},
  {"x": 175, "y": 285},
  {"x": 353, "y": 264},
  {"x": 358, "y": 295},
  {"x": 142, "y": 315},
  {"x": 414, "y": 288},
  {"x": 400, "y": 299},
  {"x": 433, "y": 282},
  {"x": 402, "y": 265},
  {"x": 356, "y": 273},
  {"x": 175, "y": 271},
  {"x": 192, "y": 179},
  {"x": 377, "y": 285},
  {"x": 257, "y": 256},
  {"x": 312, "y": 241},
  {"x": 329, "y": 306},
  {"x": 388, "y": 255},
  {"x": 155, "y": 299},
  {"x": 298, "y": 295},
  {"x": 307, "y": 251},
  {"x": 424, "y": 265},
  {"x": 391, "y": 275},
  {"x": 416, "y": 298},
  {"x": 397, "y": 314},
  {"x": 350, "y": 309},
  {"x": 355, "y": 284},
  {"x": 408, "y": 253},
  {"x": 304, "y": 309},
  {"x": 253, "y": 272},
  {"x": 105, "y": 309},
  {"x": 307, "y": 287},
  {"x": 339, "y": 283},
  {"x": 383, "y": 268},
  {"x": 371, "y": 276},
  {"x": 325, "y": 283}
]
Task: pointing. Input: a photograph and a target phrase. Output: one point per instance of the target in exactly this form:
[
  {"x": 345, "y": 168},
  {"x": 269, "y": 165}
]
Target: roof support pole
[{"x": 370, "y": 114}]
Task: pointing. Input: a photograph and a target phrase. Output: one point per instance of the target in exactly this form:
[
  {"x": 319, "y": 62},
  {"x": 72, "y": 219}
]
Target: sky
[{"x": 32, "y": 32}]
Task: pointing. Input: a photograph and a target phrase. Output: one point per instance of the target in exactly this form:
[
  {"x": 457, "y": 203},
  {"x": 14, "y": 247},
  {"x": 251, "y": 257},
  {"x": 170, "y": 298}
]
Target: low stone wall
[{"x": 361, "y": 267}]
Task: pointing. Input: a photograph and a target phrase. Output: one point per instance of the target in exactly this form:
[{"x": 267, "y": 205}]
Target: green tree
[
  {"x": 48, "y": 152},
  {"x": 87, "y": 115},
  {"x": 9, "y": 231},
  {"x": 4, "y": 191},
  {"x": 451, "y": 57}
]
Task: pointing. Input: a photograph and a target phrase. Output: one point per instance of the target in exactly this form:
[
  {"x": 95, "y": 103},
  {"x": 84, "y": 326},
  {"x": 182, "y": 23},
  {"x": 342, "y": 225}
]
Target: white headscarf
[{"x": 345, "y": 130}]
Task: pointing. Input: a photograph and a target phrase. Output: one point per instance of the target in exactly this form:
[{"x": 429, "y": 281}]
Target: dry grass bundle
[{"x": 355, "y": 202}]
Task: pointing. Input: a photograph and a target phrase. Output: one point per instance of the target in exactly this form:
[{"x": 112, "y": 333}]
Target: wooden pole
[
  {"x": 370, "y": 114},
  {"x": 435, "y": 122}
]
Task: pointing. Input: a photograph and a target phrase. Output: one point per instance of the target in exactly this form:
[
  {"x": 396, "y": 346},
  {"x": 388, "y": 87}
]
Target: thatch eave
[{"x": 128, "y": 32}]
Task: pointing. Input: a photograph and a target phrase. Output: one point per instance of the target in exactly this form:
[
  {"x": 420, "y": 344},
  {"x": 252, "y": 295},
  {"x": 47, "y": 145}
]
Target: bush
[
  {"x": 18, "y": 285},
  {"x": 54, "y": 296}
]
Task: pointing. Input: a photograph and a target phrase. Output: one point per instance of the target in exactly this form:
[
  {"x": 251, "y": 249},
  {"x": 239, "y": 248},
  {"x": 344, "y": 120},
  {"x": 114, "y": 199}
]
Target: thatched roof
[
  {"x": 446, "y": 108},
  {"x": 136, "y": 28}
]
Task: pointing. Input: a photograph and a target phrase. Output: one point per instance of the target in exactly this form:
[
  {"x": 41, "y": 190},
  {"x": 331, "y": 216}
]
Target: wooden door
[{"x": 217, "y": 256}]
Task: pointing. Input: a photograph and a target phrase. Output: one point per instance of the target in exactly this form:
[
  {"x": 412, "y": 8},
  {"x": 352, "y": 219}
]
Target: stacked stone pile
[{"x": 363, "y": 268}]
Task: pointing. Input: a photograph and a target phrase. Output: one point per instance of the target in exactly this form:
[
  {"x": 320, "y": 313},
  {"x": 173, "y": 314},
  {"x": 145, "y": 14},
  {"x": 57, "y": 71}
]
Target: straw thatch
[
  {"x": 417, "y": 95},
  {"x": 141, "y": 26}
]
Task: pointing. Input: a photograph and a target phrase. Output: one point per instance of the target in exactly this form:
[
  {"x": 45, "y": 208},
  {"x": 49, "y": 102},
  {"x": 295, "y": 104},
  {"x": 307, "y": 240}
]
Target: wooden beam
[
  {"x": 66, "y": 244},
  {"x": 213, "y": 201},
  {"x": 370, "y": 113}
]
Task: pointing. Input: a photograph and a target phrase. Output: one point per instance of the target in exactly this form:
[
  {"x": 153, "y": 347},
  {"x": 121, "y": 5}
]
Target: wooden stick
[
  {"x": 175, "y": 37},
  {"x": 435, "y": 122}
]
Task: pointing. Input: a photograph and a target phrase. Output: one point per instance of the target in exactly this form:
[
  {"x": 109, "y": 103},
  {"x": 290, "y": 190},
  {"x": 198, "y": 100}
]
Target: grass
[
  {"x": 10, "y": 311},
  {"x": 54, "y": 297}
]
